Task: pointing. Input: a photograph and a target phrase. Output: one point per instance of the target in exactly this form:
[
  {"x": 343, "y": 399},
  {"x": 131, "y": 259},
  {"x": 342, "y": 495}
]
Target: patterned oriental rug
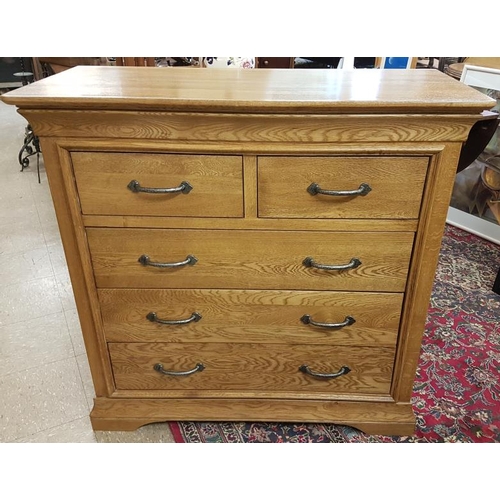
[{"x": 456, "y": 395}]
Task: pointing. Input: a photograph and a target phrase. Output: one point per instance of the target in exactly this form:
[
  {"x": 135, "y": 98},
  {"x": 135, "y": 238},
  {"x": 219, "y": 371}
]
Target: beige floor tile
[
  {"x": 86, "y": 377},
  {"x": 33, "y": 343},
  {"x": 25, "y": 266},
  {"x": 40, "y": 398},
  {"x": 29, "y": 300},
  {"x": 78, "y": 431},
  {"x": 21, "y": 237},
  {"x": 75, "y": 331},
  {"x": 57, "y": 258},
  {"x": 16, "y": 189},
  {"x": 65, "y": 291},
  {"x": 17, "y": 214},
  {"x": 152, "y": 433},
  {"x": 51, "y": 234},
  {"x": 41, "y": 195},
  {"x": 46, "y": 213}
]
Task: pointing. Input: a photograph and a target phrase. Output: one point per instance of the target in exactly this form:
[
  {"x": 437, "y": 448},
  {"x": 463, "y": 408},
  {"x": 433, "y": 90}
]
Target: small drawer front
[
  {"x": 319, "y": 187},
  {"x": 252, "y": 367},
  {"x": 275, "y": 62},
  {"x": 204, "y": 185},
  {"x": 250, "y": 316},
  {"x": 170, "y": 258}
]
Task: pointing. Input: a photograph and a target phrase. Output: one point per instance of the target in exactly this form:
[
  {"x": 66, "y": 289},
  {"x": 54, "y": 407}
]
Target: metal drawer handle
[
  {"x": 306, "y": 319},
  {"x": 154, "y": 319},
  {"x": 159, "y": 368},
  {"x": 353, "y": 264},
  {"x": 190, "y": 260},
  {"x": 184, "y": 187},
  {"x": 363, "y": 190},
  {"x": 343, "y": 371}
]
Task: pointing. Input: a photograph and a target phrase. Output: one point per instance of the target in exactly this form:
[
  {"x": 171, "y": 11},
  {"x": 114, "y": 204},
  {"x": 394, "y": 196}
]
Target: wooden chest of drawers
[{"x": 251, "y": 245}]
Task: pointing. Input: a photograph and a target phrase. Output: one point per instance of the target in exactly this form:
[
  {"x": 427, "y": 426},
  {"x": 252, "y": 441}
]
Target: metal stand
[
  {"x": 30, "y": 147},
  {"x": 31, "y": 144}
]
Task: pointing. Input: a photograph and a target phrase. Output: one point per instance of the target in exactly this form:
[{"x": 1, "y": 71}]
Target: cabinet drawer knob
[
  {"x": 159, "y": 368},
  {"x": 307, "y": 320},
  {"x": 184, "y": 187},
  {"x": 154, "y": 319},
  {"x": 363, "y": 190},
  {"x": 190, "y": 260},
  {"x": 343, "y": 371},
  {"x": 353, "y": 264}
]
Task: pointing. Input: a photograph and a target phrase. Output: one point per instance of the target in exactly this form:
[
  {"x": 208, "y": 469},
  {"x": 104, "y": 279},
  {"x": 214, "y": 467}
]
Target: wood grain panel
[
  {"x": 138, "y": 145},
  {"x": 288, "y": 91},
  {"x": 250, "y": 316},
  {"x": 423, "y": 270},
  {"x": 72, "y": 233},
  {"x": 265, "y": 130},
  {"x": 102, "y": 180},
  {"x": 396, "y": 186},
  {"x": 376, "y": 418},
  {"x": 250, "y": 279},
  {"x": 392, "y": 225},
  {"x": 251, "y": 367},
  {"x": 249, "y": 259}
]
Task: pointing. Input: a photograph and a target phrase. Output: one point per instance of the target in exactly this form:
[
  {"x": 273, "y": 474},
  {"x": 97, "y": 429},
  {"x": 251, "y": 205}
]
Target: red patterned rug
[{"x": 456, "y": 396}]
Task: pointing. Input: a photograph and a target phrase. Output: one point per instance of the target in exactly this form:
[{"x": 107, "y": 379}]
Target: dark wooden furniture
[{"x": 275, "y": 62}]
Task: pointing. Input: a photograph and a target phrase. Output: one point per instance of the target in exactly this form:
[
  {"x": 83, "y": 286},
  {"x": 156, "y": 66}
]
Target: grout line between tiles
[
  {"x": 83, "y": 384},
  {"x": 41, "y": 225},
  {"x": 38, "y": 365},
  {"x": 9, "y": 323},
  {"x": 49, "y": 429},
  {"x": 70, "y": 336}
]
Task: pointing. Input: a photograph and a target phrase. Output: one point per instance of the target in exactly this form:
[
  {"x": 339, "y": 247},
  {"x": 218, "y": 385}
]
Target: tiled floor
[{"x": 45, "y": 385}]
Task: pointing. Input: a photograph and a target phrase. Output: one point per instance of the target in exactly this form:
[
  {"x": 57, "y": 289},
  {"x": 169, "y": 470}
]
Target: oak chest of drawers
[{"x": 251, "y": 245}]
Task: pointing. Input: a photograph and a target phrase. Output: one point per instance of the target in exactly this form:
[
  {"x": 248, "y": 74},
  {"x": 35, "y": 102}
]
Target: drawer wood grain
[
  {"x": 102, "y": 180},
  {"x": 249, "y": 259},
  {"x": 396, "y": 186},
  {"x": 251, "y": 367},
  {"x": 250, "y": 316}
]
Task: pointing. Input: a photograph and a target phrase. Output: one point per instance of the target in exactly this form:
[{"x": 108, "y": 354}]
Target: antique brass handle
[
  {"x": 353, "y": 264},
  {"x": 363, "y": 190},
  {"x": 154, "y": 318},
  {"x": 159, "y": 368},
  {"x": 184, "y": 187},
  {"x": 343, "y": 371},
  {"x": 307, "y": 320},
  {"x": 190, "y": 260}
]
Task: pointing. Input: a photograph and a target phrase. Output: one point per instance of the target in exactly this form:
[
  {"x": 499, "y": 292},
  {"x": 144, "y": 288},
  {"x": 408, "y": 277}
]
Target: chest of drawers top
[{"x": 242, "y": 91}]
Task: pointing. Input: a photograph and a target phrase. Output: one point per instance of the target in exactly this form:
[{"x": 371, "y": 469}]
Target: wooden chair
[{"x": 135, "y": 61}]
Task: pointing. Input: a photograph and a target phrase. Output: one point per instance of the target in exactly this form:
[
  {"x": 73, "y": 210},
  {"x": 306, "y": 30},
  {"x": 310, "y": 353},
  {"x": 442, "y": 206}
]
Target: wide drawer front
[
  {"x": 250, "y": 316},
  {"x": 372, "y": 187},
  {"x": 252, "y": 367},
  {"x": 169, "y": 258},
  {"x": 132, "y": 184}
]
